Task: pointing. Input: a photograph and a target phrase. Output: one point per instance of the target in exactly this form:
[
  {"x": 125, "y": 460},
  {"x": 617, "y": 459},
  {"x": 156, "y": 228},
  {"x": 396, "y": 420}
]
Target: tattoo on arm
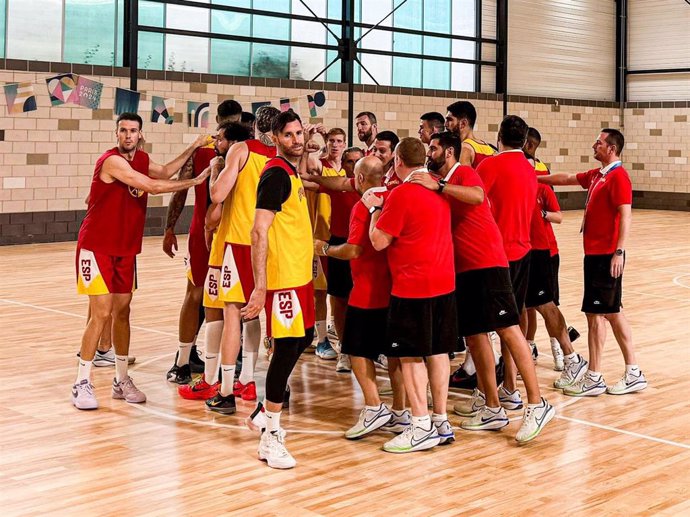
[{"x": 179, "y": 198}]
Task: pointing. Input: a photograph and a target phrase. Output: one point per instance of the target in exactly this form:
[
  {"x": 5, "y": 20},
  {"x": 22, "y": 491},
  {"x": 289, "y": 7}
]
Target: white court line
[
  {"x": 663, "y": 297},
  {"x": 623, "y": 431},
  {"x": 81, "y": 316},
  {"x": 676, "y": 280},
  {"x": 675, "y": 270}
]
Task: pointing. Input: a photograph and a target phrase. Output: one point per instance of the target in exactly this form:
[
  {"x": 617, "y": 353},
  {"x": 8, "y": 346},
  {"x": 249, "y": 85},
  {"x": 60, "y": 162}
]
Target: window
[
  {"x": 30, "y": 25},
  {"x": 271, "y": 60},
  {"x": 150, "y": 50},
  {"x": 230, "y": 57},
  {"x": 3, "y": 8},
  {"x": 186, "y": 53},
  {"x": 90, "y": 32},
  {"x": 307, "y": 63}
]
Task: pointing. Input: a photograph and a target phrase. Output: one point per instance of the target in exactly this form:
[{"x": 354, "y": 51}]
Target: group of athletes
[{"x": 421, "y": 244}]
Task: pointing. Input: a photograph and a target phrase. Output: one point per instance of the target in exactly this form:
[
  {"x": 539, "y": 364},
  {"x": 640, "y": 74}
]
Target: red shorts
[
  {"x": 98, "y": 273},
  {"x": 236, "y": 277},
  {"x": 289, "y": 312},
  {"x": 197, "y": 257}
]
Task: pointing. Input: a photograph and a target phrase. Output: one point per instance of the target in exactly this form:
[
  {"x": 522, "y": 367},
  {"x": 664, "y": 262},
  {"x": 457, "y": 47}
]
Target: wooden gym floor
[{"x": 608, "y": 455}]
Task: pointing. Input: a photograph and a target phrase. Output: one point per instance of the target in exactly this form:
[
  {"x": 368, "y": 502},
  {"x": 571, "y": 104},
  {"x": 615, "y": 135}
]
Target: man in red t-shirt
[
  {"x": 605, "y": 229},
  {"x": 485, "y": 300},
  {"x": 110, "y": 239},
  {"x": 414, "y": 226},
  {"x": 364, "y": 336}
]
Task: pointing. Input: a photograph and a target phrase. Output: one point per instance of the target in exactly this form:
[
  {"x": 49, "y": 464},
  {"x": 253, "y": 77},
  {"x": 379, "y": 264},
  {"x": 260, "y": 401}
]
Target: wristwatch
[
  {"x": 543, "y": 214},
  {"x": 619, "y": 252},
  {"x": 324, "y": 248},
  {"x": 441, "y": 185},
  {"x": 374, "y": 209}
]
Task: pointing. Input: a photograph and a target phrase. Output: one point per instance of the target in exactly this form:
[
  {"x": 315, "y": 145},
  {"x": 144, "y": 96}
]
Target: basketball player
[
  {"x": 107, "y": 248},
  {"x": 367, "y": 129},
  {"x": 460, "y": 120},
  {"x": 429, "y": 124}
]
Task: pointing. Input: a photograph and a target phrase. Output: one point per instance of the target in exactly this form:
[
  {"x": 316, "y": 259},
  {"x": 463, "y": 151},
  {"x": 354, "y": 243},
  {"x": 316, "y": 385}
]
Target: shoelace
[
  {"x": 88, "y": 388},
  {"x": 528, "y": 413}
]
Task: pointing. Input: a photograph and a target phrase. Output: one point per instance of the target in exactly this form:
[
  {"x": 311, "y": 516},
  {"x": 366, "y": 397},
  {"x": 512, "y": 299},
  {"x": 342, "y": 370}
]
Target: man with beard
[
  {"x": 460, "y": 120},
  {"x": 367, "y": 129},
  {"x": 282, "y": 252},
  {"x": 108, "y": 246}
]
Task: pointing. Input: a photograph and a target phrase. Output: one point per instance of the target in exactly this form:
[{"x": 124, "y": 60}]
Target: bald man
[{"x": 364, "y": 336}]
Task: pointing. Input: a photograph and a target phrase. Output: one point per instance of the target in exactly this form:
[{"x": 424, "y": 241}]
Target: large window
[{"x": 92, "y": 31}]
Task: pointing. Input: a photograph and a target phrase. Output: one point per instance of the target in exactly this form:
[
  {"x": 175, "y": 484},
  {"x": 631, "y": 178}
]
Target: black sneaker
[
  {"x": 500, "y": 371},
  {"x": 286, "y": 398},
  {"x": 196, "y": 364},
  {"x": 221, "y": 404},
  {"x": 573, "y": 334},
  {"x": 238, "y": 365},
  {"x": 180, "y": 374},
  {"x": 462, "y": 380}
]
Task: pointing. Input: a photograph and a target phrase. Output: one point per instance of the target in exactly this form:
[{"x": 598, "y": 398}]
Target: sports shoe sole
[
  {"x": 493, "y": 425},
  {"x": 378, "y": 423},
  {"x": 632, "y": 389},
  {"x": 547, "y": 419},
  {"x": 273, "y": 465},
  {"x": 425, "y": 445},
  {"x": 589, "y": 393},
  {"x": 511, "y": 406}
]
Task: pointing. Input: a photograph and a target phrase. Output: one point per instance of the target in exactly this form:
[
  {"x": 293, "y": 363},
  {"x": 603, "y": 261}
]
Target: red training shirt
[
  {"x": 477, "y": 241},
  {"x": 541, "y": 232},
  {"x": 371, "y": 277},
  {"x": 602, "y": 219},
  {"x": 201, "y": 160},
  {"x": 511, "y": 185},
  {"x": 341, "y": 207},
  {"x": 420, "y": 257},
  {"x": 115, "y": 217}
]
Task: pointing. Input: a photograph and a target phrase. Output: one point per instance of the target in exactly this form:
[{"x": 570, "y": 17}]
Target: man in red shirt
[
  {"x": 429, "y": 124},
  {"x": 511, "y": 186},
  {"x": 605, "y": 229},
  {"x": 110, "y": 239},
  {"x": 364, "y": 336},
  {"x": 414, "y": 226},
  {"x": 485, "y": 300},
  {"x": 367, "y": 128}
]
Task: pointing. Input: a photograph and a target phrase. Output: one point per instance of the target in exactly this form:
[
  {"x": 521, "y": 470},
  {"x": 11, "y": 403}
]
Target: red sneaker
[
  {"x": 237, "y": 388},
  {"x": 200, "y": 390},
  {"x": 249, "y": 392}
]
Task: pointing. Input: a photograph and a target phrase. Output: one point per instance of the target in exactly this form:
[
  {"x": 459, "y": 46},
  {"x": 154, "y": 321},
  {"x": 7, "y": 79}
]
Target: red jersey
[
  {"x": 541, "y": 232},
  {"x": 390, "y": 179},
  {"x": 202, "y": 159},
  {"x": 511, "y": 186},
  {"x": 371, "y": 278},
  {"x": 606, "y": 192},
  {"x": 420, "y": 257},
  {"x": 115, "y": 217},
  {"x": 540, "y": 169},
  {"x": 341, "y": 207},
  {"x": 477, "y": 241}
]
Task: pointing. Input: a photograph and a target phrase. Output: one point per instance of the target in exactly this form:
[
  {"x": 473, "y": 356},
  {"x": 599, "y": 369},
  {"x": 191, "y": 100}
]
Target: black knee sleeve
[{"x": 286, "y": 352}]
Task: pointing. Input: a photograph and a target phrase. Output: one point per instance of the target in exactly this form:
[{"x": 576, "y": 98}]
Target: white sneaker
[
  {"x": 343, "y": 365},
  {"x": 534, "y": 350},
  {"x": 369, "y": 420},
  {"x": 257, "y": 420},
  {"x": 83, "y": 396},
  {"x": 630, "y": 383},
  {"x": 472, "y": 406},
  {"x": 429, "y": 397},
  {"x": 557, "y": 353},
  {"x": 398, "y": 422},
  {"x": 508, "y": 400},
  {"x": 572, "y": 373},
  {"x": 586, "y": 387},
  {"x": 331, "y": 333},
  {"x": 413, "y": 439},
  {"x": 534, "y": 420},
  {"x": 486, "y": 419},
  {"x": 272, "y": 450},
  {"x": 382, "y": 362},
  {"x": 445, "y": 431},
  {"x": 103, "y": 359}
]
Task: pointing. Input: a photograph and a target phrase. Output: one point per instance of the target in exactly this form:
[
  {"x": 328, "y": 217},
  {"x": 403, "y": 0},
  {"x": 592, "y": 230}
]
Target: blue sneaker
[{"x": 324, "y": 350}]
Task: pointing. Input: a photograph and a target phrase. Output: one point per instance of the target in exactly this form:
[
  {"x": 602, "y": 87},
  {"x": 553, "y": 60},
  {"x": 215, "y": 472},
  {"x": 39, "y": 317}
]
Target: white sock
[
  {"x": 532, "y": 343},
  {"x": 421, "y": 421},
  {"x": 214, "y": 330},
  {"x": 497, "y": 356},
  {"x": 120, "y": 367},
  {"x": 272, "y": 420},
  {"x": 183, "y": 351},
  {"x": 468, "y": 365},
  {"x": 436, "y": 417},
  {"x": 595, "y": 376},
  {"x": 373, "y": 408},
  {"x": 250, "y": 350},
  {"x": 84, "y": 370},
  {"x": 632, "y": 368},
  {"x": 570, "y": 358},
  {"x": 321, "y": 330},
  {"x": 555, "y": 343},
  {"x": 228, "y": 373}
]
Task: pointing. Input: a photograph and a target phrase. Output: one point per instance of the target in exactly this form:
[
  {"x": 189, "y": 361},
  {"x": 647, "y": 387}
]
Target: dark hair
[
  {"x": 533, "y": 135},
  {"x": 265, "y": 116},
  {"x": 411, "y": 152},
  {"x": 448, "y": 139},
  {"x": 388, "y": 136},
  {"x": 283, "y": 119},
  {"x": 369, "y": 115},
  {"x": 130, "y": 116},
  {"x": 234, "y": 131},
  {"x": 229, "y": 108},
  {"x": 464, "y": 109},
  {"x": 247, "y": 118},
  {"x": 614, "y": 138},
  {"x": 435, "y": 119},
  {"x": 352, "y": 150},
  {"x": 513, "y": 132}
]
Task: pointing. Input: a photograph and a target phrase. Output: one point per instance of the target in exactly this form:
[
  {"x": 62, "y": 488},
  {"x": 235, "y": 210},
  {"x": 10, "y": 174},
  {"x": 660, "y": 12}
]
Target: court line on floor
[
  {"x": 676, "y": 280},
  {"x": 628, "y": 291}
]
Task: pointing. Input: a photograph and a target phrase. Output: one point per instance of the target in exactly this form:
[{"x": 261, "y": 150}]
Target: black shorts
[
  {"x": 540, "y": 285},
  {"x": 485, "y": 301},
  {"x": 365, "y": 332},
  {"x": 519, "y": 278},
  {"x": 603, "y": 293},
  {"x": 555, "y": 266},
  {"x": 420, "y": 327},
  {"x": 338, "y": 274}
]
